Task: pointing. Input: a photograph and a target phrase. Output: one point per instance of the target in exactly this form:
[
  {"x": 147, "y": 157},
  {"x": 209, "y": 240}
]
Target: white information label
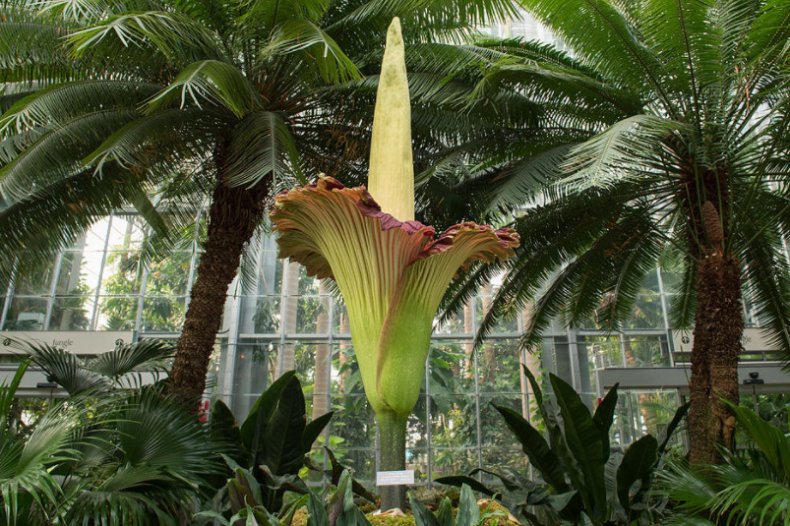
[{"x": 395, "y": 478}]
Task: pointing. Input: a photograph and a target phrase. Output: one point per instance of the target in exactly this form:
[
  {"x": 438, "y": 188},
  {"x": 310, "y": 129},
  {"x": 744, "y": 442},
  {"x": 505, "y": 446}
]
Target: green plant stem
[{"x": 392, "y": 442}]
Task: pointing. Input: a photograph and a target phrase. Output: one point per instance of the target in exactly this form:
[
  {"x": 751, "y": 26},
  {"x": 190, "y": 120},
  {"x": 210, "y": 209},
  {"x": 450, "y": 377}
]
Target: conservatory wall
[{"x": 278, "y": 319}]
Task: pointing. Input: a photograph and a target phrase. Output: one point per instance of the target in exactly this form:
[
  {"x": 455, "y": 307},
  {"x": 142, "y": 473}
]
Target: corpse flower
[{"x": 391, "y": 270}]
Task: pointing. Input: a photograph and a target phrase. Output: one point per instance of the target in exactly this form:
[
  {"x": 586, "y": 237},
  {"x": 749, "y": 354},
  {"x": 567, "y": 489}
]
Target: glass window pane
[
  {"x": 647, "y": 313},
  {"x": 503, "y": 326},
  {"x": 312, "y": 315},
  {"x": 79, "y": 273},
  {"x": 603, "y": 351},
  {"x": 646, "y": 351},
  {"x": 254, "y": 365},
  {"x": 341, "y": 325},
  {"x": 71, "y": 313},
  {"x": 264, "y": 275},
  {"x": 260, "y": 315},
  {"x": 451, "y": 368},
  {"x": 127, "y": 232},
  {"x": 170, "y": 276},
  {"x": 499, "y": 367},
  {"x": 117, "y": 313},
  {"x": 122, "y": 273},
  {"x": 163, "y": 314},
  {"x": 35, "y": 282},
  {"x": 26, "y": 314}
]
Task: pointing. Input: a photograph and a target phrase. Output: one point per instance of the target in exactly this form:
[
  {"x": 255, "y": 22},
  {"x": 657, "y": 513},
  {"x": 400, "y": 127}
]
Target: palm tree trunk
[
  {"x": 234, "y": 215},
  {"x": 714, "y": 359}
]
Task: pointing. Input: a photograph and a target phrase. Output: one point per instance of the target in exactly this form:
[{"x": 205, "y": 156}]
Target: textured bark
[
  {"x": 714, "y": 359},
  {"x": 234, "y": 214},
  {"x": 718, "y": 323}
]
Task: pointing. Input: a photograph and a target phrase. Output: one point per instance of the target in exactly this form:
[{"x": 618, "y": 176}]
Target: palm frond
[
  {"x": 261, "y": 145},
  {"x": 211, "y": 82},
  {"x": 608, "y": 42},
  {"x": 314, "y": 45},
  {"x": 58, "y": 153},
  {"x": 177, "y": 37},
  {"x": 766, "y": 270},
  {"x": 57, "y": 104},
  {"x": 64, "y": 367},
  {"x": 522, "y": 182},
  {"x": 144, "y": 355},
  {"x": 624, "y": 152}
]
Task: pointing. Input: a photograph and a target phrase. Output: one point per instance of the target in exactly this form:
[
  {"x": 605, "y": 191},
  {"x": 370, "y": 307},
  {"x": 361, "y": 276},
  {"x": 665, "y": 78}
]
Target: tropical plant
[
  {"x": 267, "y": 451},
  {"x": 468, "y": 513},
  {"x": 117, "y": 369},
  {"x": 390, "y": 269},
  {"x": 143, "y": 459},
  {"x": 27, "y": 483},
  {"x": 751, "y": 487},
  {"x": 582, "y": 481},
  {"x": 161, "y": 105},
  {"x": 114, "y": 452},
  {"x": 665, "y": 132}
]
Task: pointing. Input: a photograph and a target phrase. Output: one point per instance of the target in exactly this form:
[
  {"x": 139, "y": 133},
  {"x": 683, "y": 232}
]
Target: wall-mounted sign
[
  {"x": 76, "y": 342},
  {"x": 754, "y": 340}
]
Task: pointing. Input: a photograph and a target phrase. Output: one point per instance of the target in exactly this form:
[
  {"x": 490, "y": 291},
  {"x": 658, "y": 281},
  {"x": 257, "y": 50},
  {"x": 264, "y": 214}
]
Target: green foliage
[
  {"x": 105, "y": 372},
  {"x": 26, "y": 480},
  {"x": 119, "y": 104},
  {"x": 654, "y": 108},
  {"x": 752, "y": 487},
  {"x": 583, "y": 482},
  {"x": 267, "y": 451},
  {"x": 107, "y": 454},
  {"x": 468, "y": 513}
]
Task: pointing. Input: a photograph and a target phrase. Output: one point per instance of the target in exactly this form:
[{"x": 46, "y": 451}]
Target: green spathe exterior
[{"x": 391, "y": 270}]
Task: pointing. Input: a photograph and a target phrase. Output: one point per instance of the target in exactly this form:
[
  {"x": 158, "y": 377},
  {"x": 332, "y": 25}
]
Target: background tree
[
  {"x": 163, "y": 105},
  {"x": 664, "y": 132}
]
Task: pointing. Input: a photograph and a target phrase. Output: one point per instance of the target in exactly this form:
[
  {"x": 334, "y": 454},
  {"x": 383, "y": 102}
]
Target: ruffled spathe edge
[{"x": 507, "y": 238}]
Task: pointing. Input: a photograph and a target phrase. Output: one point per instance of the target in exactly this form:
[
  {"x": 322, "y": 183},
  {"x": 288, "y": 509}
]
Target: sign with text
[
  {"x": 395, "y": 478},
  {"x": 76, "y": 342},
  {"x": 753, "y": 340}
]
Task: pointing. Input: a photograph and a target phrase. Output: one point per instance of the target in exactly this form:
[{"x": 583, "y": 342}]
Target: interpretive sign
[
  {"x": 753, "y": 340},
  {"x": 76, "y": 342},
  {"x": 395, "y": 478}
]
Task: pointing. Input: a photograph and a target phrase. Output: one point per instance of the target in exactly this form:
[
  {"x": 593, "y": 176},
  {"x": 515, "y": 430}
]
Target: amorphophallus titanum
[{"x": 391, "y": 270}]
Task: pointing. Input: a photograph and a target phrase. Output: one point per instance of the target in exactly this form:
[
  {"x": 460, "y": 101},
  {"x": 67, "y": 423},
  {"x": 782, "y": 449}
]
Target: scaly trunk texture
[
  {"x": 234, "y": 214},
  {"x": 392, "y": 456},
  {"x": 714, "y": 359}
]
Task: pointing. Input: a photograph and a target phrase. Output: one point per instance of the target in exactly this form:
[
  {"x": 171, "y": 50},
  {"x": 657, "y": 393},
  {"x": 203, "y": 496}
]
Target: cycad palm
[
  {"x": 666, "y": 131},
  {"x": 160, "y": 104}
]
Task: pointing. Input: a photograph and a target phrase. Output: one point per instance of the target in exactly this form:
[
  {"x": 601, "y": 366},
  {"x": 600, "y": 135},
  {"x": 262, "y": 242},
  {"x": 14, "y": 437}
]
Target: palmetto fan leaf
[{"x": 25, "y": 464}]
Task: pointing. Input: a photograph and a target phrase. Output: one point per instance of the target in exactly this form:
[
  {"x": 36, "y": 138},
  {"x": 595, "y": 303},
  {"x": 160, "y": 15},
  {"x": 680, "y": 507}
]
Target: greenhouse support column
[{"x": 392, "y": 455}]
